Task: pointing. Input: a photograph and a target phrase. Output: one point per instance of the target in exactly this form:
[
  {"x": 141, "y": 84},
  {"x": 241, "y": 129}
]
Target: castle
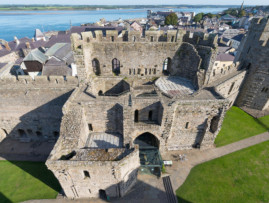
[{"x": 157, "y": 92}]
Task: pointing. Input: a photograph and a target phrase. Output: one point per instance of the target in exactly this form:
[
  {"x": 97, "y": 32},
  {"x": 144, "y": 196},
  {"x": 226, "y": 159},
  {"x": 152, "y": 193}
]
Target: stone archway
[
  {"x": 149, "y": 155},
  {"x": 147, "y": 140}
]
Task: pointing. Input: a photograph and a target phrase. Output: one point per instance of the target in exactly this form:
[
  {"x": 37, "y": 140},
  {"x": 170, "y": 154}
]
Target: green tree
[
  {"x": 242, "y": 13},
  {"x": 210, "y": 15},
  {"x": 171, "y": 19},
  {"x": 197, "y": 18}
]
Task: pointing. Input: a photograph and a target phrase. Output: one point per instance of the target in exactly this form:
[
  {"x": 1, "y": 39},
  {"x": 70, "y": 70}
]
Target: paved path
[{"x": 181, "y": 169}]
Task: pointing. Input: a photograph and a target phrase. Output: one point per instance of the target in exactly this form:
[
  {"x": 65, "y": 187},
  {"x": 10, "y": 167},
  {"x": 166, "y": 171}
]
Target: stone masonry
[{"x": 128, "y": 86}]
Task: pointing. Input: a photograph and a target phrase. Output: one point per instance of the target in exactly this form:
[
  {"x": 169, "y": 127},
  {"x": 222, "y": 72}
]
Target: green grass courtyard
[
  {"x": 21, "y": 181},
  {"x": 238, "y": 125},
  {"x": 241, "y": 176}
]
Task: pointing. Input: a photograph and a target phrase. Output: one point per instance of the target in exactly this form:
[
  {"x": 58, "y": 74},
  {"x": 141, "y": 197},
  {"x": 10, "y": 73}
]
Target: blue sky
[{"x": 136, "y": 2}]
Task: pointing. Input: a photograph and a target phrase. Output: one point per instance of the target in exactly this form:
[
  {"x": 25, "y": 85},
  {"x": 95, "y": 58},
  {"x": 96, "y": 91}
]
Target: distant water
[{"x": 23, "y": 23}]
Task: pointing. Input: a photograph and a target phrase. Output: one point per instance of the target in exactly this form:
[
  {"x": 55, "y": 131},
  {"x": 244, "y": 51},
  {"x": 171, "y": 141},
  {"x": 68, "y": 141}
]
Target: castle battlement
[
  {"x": 38, "y": 81},
  {"x": 173, "y": 36},
  {"x": 259, "y": 24},
  {"x": 200, "y": 38}
]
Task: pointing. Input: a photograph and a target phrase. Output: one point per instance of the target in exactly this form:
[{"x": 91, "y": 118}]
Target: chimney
[
  {"x": 28, "y": 46},
  {"x": 7, "y": 46},
  {"x": 33, "y": 39},
  {"x": 16, "y": 40},
  {"x": 1, "y": 46}
]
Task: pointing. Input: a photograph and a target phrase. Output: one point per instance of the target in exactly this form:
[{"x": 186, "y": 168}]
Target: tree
[
  {"x": 210, "y": 15},
  {"x": 171, "y": 19},
  {"x": 242, "y": 13},
  {"x": 198, "y": 17}
]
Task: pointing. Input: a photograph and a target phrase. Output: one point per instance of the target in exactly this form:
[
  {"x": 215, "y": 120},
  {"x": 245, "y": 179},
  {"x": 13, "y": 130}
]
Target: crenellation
[{"x": 25, "y": 81}]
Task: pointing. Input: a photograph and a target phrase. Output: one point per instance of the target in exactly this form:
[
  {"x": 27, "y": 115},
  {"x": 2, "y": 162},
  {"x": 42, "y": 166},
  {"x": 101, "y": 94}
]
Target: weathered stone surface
[{"x": 162, "y": 85}]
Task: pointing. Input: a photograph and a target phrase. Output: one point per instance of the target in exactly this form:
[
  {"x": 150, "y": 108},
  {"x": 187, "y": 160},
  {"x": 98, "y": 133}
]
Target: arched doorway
[
  {"x": 96, "y": 67},
  {"x": 147, "y": 140},
  {"x": 150, "y": 158},
  {"x": 167, "y": 66},
  {"x": 100, "y": 93},
  {"x": 116, "y": 66}
]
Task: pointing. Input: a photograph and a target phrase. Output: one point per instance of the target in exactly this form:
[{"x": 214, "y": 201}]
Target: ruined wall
[
  {"x": 133, "y": 129},
  {"x": 135, "y": 58},
  {"x": 221, "y": 70},
  {"x": 200, "y": 38},
  {"x": 254, "y": 58},
  {"x": 186, "y": 63},
  {"x": 32, "y": 109},
  {"x": 229, "y": 87},
  {"x": 119, "y": 176},
  {"x": 196, "y": 123},
  {"x": 104, "y": 116}
]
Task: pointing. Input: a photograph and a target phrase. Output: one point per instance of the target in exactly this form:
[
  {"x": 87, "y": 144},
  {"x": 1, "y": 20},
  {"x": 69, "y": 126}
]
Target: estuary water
[{"x": 23, "y": 23}]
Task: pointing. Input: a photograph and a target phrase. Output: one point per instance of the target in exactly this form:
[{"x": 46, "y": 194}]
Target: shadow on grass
[
  {"x": 40, "y": 171},
  {"x": 265, "y": 126},
  {"x": 4, "y": 199},
  {"x": 181, "y": 200}
]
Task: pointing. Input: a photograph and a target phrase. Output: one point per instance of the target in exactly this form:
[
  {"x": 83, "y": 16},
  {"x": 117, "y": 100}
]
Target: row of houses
[{"x": 45, "y": 54}]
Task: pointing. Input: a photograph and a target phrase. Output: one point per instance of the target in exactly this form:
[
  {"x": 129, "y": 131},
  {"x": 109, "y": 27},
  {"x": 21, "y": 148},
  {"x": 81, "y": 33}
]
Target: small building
[
  {"x": 136, "y": 26},
  {"x": 39, "y": 35},
  {"x": 228, "y": 18},
  {"x": 34, "y": 62},
  {"x": 236, "y": 40}
]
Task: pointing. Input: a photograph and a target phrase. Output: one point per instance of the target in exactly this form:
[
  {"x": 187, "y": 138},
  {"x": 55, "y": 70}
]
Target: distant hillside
[{"x": 94, "y": 7}]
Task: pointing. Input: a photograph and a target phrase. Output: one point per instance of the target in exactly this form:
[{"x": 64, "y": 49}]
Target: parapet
[
  {"x": 200, "y": 38},
  {"x": 260, "y": 24},
  {"x": 126, "y": 36},
  {"x": 39, "y": 81}
]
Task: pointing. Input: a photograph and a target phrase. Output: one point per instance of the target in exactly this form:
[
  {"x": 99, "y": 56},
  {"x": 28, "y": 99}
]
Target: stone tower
[{"x": 253, "y": 56}]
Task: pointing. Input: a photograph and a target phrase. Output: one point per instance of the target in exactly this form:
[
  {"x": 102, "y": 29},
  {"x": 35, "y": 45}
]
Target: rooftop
[
  {"x": 224, "y": 57},
  {"x": 104, "y": 140},
  {"x": 101, "y": 154},
  {"x": 175, "y": 86}
]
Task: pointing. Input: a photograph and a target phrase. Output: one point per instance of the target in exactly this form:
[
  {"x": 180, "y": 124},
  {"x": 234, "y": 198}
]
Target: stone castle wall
[
  {"x": 32, "y": 109},
  {"x": 145, "y": 56},
  {"x": 254, "y": 58}
]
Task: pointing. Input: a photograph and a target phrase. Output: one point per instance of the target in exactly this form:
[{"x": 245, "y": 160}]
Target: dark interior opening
[
  {"x": 86, "y": 174},
  {"x": 136, "y": 116},
  {"x": 214, "y": 124},
  {"x": 90, "y": 126},
  {"x": 102, "y": 194},
  {"x": 116, "y": 66},
  {"x": 150, "y": 115},
  {"x": 147, "y": 140},
  {"x": 22, "y": 133},
  {"x": 100, "y": 93},
  {"x": 96, "y": 67}
]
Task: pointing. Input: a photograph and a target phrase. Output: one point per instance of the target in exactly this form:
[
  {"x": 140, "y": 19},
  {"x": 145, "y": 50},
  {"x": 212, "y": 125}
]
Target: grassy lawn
[
  {"x": 21, "y": 181},
  {"x": 238, "y": 125},
  {"x": 238, "y": 177}
]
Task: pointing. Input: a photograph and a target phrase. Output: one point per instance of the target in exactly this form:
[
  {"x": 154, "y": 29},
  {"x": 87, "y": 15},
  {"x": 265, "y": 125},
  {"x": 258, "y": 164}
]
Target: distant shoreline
[{"x": 102, "y": 7}]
